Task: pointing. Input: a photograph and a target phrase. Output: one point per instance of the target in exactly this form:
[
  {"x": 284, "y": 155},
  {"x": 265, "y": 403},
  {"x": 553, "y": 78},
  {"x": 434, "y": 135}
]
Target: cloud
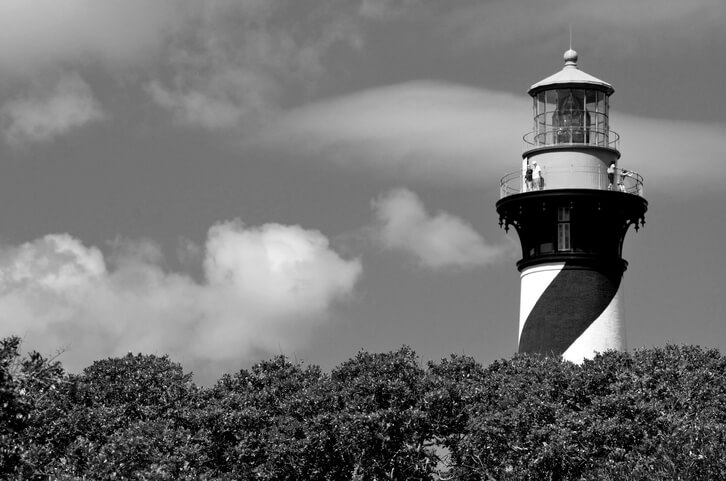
[
  {"x": 441, "y": 133},
  {"x": 222, "y": 100},
  {"x": 231, "y": 64},
  {"x": 237, "y": 61},
  {"x": 264, "y": 289},
  {"x": 49, "y": 111},
  {"x": 283, "y": 269},
  {"x": 37, "y": 35},
  {"x": 418, "y": 131},
  {"x": 215, "y": 64},
  {"x": 39, "y": 38},
  {"x": 436, "y": 241},
  {"x": 676, "y": 156}
]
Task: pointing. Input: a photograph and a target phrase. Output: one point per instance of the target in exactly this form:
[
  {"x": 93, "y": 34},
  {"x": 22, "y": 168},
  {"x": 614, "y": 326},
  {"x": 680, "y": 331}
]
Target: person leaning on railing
[{"x": 623, "y": 174}]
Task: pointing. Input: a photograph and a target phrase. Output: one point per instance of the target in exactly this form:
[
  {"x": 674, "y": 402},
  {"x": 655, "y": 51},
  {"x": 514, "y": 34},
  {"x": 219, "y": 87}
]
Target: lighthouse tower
[{"x": 571, "y": 204}]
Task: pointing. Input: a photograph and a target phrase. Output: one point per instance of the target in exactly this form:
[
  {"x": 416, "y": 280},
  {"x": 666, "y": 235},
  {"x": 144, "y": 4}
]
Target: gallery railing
[
  {"x": 624, "y": 180},
  {"x": 546, "y": 137}
]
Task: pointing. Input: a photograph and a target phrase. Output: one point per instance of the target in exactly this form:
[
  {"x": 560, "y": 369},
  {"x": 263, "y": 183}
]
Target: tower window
[{"x": 564, "y": 242}]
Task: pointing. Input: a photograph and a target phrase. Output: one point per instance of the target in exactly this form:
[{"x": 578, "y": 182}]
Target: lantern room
[{"x": 570, "y": 107}]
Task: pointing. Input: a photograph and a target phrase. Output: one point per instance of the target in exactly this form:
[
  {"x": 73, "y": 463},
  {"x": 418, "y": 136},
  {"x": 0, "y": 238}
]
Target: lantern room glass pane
[
  {"x": 551, "y": 100},
  {"x": 540, "y": 103},
  {"x": 591, "y": 100},
  {"x": 601, "y": 103}
]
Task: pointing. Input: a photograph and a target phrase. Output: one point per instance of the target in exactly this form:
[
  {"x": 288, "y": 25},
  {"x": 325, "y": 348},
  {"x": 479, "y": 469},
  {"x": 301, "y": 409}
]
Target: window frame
[{"x": 564, "y": 229}]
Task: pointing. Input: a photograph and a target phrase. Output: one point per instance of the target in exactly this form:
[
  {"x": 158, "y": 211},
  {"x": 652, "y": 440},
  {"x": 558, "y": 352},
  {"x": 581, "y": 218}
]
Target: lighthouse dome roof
[{"x": 570, "y": 75}]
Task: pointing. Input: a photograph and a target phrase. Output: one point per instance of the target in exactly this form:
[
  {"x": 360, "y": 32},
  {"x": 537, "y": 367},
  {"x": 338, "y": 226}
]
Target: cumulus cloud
[
  {"x": 436, "y": 241},
  {"x": 264, "y": 288},
  {"x": 49, "y": 111}
]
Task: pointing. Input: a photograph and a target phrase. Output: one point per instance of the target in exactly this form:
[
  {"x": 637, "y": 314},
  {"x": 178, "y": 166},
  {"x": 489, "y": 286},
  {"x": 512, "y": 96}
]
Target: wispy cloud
[
  {"x": 41, "y": 35},
  {"x": 264, "y": 288},
  {"x": 418, "y": 131},
  {"x": 227, "y": 64},
  {"x": 437, "y": 241},
  {"x": 238, "y": 61},
  {"x": 441, "y": 133},
  {"x": 49, "y": 111},
  {"x": 215, "y": 64},
  {"x": 678, "y": 156}
]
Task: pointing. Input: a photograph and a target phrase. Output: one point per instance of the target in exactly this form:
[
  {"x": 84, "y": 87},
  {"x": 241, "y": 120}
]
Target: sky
[{"x": 224, "y": 181}]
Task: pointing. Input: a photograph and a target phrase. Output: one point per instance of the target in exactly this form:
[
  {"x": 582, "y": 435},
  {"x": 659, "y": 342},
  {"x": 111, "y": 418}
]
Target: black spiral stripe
[{"x": 569, "y": 305}]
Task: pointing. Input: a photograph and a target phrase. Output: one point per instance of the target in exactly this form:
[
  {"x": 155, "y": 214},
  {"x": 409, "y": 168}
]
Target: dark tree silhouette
[{"x": 655, "y": 414}]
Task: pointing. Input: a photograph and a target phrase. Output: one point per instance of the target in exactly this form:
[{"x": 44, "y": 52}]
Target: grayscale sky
[{"x": 226, "y": 180}]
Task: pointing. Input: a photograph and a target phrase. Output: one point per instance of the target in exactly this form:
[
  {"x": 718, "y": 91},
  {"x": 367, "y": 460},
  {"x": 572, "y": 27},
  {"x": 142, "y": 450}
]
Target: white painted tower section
[
  {"x": 534, "y": 281},
  {"x": 605, "y": 334}
]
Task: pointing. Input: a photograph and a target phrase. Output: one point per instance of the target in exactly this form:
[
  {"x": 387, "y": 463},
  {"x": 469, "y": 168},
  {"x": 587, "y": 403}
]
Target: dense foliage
[{"x": 653, "y": 414}]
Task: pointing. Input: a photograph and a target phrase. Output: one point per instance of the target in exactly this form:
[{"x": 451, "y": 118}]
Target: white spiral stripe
[
  {"x": 534, "y": 281},
  {"x": 605, "y": 333}
]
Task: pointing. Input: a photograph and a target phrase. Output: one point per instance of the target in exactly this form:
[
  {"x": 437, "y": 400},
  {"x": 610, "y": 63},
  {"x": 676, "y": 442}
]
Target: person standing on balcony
[
  {"x": 611, "y": 175},
  {"x": 528, "y": 177},
  {"x": 537, "y": 176}
]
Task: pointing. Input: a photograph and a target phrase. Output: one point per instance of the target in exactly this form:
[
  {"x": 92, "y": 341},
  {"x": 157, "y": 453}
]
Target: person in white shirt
[{"x": 537, "y": 176}]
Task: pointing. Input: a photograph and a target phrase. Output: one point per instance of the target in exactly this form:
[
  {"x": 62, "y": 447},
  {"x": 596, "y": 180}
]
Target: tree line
[{"x": 651, "y": 414}]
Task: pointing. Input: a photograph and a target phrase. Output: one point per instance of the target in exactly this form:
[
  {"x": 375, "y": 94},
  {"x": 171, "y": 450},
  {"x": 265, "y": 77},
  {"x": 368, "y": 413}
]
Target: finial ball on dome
[{"x": 570, "y": 57}]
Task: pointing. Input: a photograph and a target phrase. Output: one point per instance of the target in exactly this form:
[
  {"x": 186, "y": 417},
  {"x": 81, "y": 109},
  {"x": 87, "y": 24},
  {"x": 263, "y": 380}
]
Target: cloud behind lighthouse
[{"x": 437, "y": 241}]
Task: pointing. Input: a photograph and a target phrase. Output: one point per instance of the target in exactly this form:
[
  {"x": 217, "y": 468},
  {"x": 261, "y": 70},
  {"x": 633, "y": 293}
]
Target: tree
[
  {"x": 655, "y": 414},
  {"x": 25, "y": 381},
  {"x": 119, "y": 418},
  {"x": 390, "y": 435},
  {"x": 274, "y": 422},
  {"x": 452, "y": 385},
  {"x": 13, "y": 409}
]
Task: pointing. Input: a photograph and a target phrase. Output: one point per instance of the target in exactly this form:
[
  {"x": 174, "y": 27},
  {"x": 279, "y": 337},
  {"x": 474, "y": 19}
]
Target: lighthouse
[{"x": 571, "y": 204}]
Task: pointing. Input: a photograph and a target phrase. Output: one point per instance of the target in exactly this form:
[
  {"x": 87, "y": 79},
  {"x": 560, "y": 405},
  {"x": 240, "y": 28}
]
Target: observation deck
[{"x": 596, "y": 178}]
